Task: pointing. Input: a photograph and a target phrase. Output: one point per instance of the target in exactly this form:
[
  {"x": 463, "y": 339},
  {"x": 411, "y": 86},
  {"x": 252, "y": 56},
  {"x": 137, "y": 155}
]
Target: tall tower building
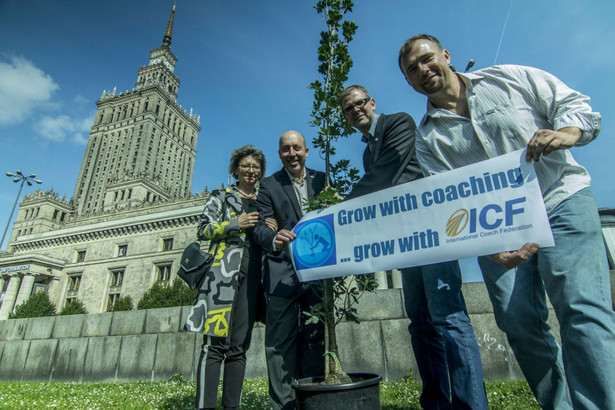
[
  {"x": 143, "y": 144},
  {"x": 132, "y": 212}
]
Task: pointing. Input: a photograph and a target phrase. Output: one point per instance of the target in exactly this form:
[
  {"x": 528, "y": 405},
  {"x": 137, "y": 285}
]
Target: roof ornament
[{"x": 166, "y": 40}]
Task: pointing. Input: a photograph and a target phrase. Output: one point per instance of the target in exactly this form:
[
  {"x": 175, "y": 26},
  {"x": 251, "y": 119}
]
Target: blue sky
[{"x": 245, "y": 66}]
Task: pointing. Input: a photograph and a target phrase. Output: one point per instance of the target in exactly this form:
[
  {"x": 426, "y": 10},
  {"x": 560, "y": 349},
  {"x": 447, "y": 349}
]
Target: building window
[
  {"x": 113, "y": 297},
  {"x": 117, "y": 277},
  {"x": 73, "y": 283},
  {"x": 167, "y": 244},
  {"x": 164, "y": 272},
  {"x": 80, "y": 256},
  {"x": 122, "y": 250}
]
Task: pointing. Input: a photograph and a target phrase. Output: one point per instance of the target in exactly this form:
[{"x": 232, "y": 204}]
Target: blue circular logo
[{"x": 314, "y": 244}]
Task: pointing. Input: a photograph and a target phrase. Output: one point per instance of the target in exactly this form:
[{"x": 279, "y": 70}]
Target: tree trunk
[{"x": 333, "y": 370}]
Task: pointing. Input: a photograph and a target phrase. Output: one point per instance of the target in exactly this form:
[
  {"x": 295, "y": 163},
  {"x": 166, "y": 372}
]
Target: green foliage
[
  {"x": 179, "y": 394},
  {"x": 177, "y": 378},
  {"x": 37, "y": 305},
  {"x": 162, "y": 295},
  {"x": 75, "y": 307},
  {"x": 334, "y": 65},
  {"x": 122, "y": 303}
]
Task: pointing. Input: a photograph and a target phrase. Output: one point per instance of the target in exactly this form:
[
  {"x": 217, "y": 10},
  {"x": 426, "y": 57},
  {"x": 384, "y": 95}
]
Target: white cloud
[
  {"x": 81, "y": 100},
  {"x": 60, "y": 128},
  {"x": 23, "y": 87}
]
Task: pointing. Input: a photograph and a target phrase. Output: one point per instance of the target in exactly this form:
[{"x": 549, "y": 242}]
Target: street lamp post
[{"x": 17, "y": 177}]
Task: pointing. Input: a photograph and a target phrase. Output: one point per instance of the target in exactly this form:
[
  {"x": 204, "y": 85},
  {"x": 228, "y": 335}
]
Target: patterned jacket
[{"x": 211, "y": 311}]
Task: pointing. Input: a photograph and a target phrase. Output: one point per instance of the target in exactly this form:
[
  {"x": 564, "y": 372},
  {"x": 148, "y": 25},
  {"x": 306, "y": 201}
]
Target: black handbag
[{"x": 194, "y": 265}]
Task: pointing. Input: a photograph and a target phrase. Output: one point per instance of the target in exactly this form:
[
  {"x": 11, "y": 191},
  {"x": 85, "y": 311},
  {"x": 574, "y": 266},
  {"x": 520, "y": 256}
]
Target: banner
[{"x": 481, "y": 209}]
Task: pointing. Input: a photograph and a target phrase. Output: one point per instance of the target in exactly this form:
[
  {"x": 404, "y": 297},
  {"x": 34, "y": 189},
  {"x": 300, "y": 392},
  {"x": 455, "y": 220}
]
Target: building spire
[{"x": 166, "y": 40}]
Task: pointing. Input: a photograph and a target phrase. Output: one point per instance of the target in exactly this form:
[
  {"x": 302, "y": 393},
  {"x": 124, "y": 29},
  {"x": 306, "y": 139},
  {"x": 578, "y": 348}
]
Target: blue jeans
[
  {"x": 575, "y": 275},
  {"x": 442, "y": 337}
]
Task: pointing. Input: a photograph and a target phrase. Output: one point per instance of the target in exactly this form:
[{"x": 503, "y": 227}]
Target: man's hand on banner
[
  {"x": 513, "y": 259},
  {"x": 283, "y": 238}
]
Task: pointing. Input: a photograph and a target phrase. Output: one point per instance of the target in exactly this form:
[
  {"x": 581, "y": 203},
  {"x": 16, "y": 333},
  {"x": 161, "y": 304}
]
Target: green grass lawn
[{"x": 179, "y": 394}]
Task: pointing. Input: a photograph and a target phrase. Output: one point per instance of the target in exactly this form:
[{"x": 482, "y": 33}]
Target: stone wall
[{"x": 151, "y": 345}]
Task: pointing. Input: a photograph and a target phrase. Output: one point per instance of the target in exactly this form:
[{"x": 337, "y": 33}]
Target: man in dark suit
[
  {"x": 294, "y": 349},
  {"x": 443, "y": 340}
]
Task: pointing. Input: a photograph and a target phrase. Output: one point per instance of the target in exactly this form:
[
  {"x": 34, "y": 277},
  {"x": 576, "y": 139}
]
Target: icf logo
[
  {"x": 489, "y": 217},
  {"x": 314, "y": 245}
]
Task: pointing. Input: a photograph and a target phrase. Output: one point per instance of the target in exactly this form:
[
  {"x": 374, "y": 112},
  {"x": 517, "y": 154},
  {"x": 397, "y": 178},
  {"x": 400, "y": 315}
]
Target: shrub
[
  {"x": 37, "y": 305},
  {"x": 161, "y": 295},
  {"x": 75, "y": 307},
  {"x": 122, "y": 303}
]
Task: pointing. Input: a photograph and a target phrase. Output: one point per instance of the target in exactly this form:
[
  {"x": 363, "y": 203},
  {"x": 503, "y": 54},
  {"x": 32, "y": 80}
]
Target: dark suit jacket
[
  {"x": 393, "y": 159},
  {"x": 277, "y": 199}
]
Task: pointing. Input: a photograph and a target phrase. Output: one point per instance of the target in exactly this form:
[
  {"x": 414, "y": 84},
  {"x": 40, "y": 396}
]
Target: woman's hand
[
  {"x": 247, "y": 220},
  {"x": 272, "y": 223}
]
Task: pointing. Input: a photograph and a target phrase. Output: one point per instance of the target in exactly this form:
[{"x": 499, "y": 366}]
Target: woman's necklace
[{"x": 244, "y": 195}]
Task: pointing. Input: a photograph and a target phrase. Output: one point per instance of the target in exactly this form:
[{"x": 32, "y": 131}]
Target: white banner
[{"x": 481, "y": 209}]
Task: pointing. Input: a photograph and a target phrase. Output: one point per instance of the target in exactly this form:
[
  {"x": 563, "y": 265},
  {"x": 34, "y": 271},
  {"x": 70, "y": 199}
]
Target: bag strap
[{"x": 224, "y": 206}]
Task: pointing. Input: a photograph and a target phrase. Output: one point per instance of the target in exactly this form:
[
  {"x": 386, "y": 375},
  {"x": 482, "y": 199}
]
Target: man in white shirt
[{"x": 496, "y": 110}]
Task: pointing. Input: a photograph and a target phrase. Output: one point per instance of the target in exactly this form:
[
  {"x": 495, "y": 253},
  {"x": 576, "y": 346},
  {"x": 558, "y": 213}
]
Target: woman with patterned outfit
[{"x": 226, "y": 306}]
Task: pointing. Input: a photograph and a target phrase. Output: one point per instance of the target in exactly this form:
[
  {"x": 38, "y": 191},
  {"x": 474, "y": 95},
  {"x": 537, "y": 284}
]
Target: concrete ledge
[
  {"x": 39, "y": 364},
  {"x": 101, "y": 359},
  {"x": 14, "y": 329},
  {"x": 40, "y": 327},
  {"x": 128, "y": 323},
  {"x": 256, "y": 362},
  {"x": 397, "y": 352},
  {"x": 68, "y": 326},
  {"x": 162, "y": 320},
  {"x": 97, "y": 324},
  {"x": 476, "y": 297},
  {"x": 360, "y": 347},
  {"x": 175, "y": 353},
  {"x": 136, "y": 359},
  {"x": 70, "y": 359},
  {"x": 150, "y": 345},
  {"x": 498, "y": 358},
  {"x": 381, "y": 304},
  {"x": 13, "y": 359}
]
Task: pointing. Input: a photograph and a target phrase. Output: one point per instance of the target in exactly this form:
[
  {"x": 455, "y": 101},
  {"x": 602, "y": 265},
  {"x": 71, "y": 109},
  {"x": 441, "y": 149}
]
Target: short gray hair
[{"x": 241, "y": 153}]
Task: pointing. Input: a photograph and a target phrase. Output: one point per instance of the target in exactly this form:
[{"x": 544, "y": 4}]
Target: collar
[
  {"x": 234, "y": 187},
  {"x": 372, "y": 129},
  {"x": 297, "y": 180},
  {"x": 469, "y": 80}
]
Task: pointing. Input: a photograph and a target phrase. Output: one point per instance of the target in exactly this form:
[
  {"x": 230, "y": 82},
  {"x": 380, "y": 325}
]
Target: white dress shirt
[{"x": 507, "y": 105}]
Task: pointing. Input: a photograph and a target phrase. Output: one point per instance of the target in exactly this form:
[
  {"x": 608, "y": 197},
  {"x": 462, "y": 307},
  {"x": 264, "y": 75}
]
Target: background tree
[
  {"x": 162, "y": 295},
  {"x": 339, "y": 294},
  {"x": 37, "y": 305},
  {"x": 122, "y": 303},
  {"x": 334, "y": 66},
  {"x": 75, "y": 307}
]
